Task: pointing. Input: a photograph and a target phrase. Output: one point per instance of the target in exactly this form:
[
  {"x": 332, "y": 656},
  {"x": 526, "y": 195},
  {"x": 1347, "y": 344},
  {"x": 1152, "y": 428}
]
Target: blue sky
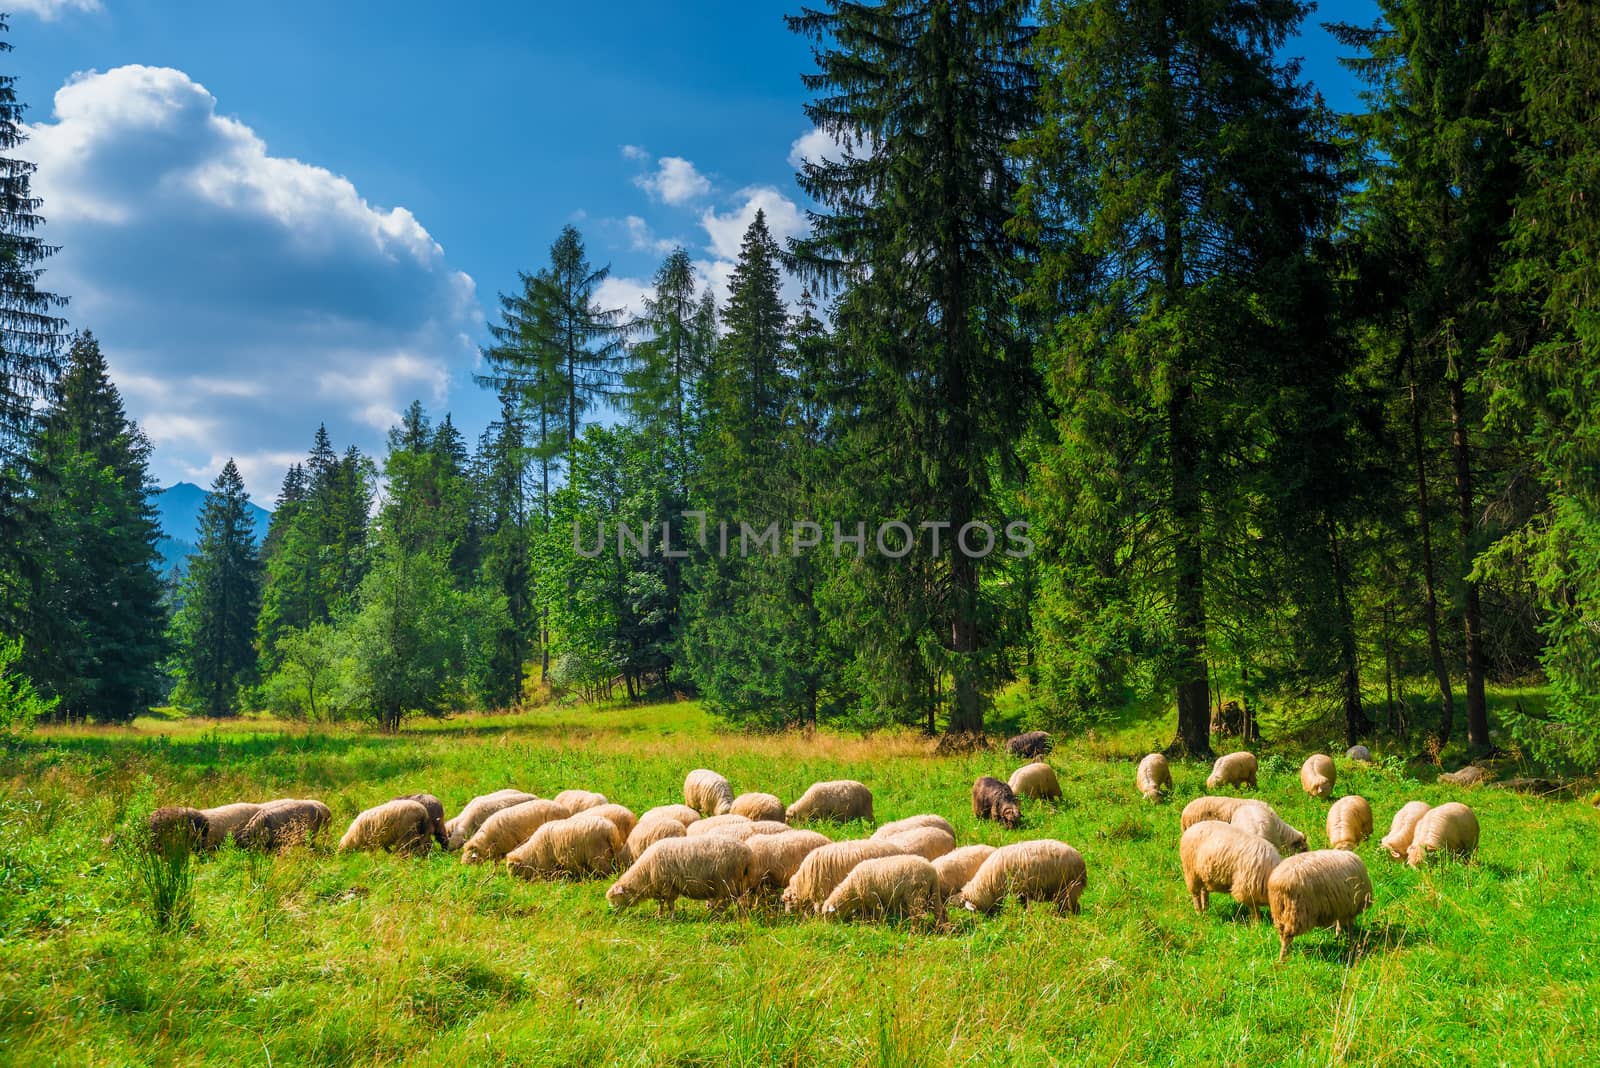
[{"x": 274, "y": 215}]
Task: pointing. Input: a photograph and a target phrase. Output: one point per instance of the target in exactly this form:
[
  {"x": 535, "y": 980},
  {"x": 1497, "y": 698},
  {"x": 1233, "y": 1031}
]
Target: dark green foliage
[{"x": 215, "y": 624}]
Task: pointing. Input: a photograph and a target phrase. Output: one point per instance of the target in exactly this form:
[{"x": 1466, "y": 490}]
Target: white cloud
[
  {"x": 819, "y": 145},
  {"x": 241, "y": 297},
  {"x": 675, "y": 181},
  {"x": 725, "y": 234},
  {"x": 50, "y": 10},
  {"x": 635, "y": 152},
  {"x": 642, "y": 239},
  {"x": 626, "y": 293}
]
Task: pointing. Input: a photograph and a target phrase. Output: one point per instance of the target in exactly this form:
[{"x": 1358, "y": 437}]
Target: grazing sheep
[
  {"x": 993, "y": 800},
  {"x": 1213, "y": 808},
  {"x": 509, "y": 828},
  {"x": 284, "y": 822},
  {"x": 760, "y": 827},
  {"x": 894, "y": 827},
  {"x": 707, "y": 793},
  {"x": 1031, "y": 744},
  {"x": 648, "y": 832},
  {"x": 887, "y": 886},
  {"x": 929, "y": 843},
  {"x": 1403, "y": 827},
  {"x": 435, "y": 809},
  {"x": 758, "y": 807},
  {"x": 1359, "y": 753},
  {"x": 176, "y": 824},
  {"x": 1154, "y": 777},
  {"x": 621, "y": 815},
  {"x": 1037, "y": 781},
  {"x": 584, "y": 844},
  {"x": 227, "y": 820},
  {"x": 707, "y": 868},
  {"x": 841, "y": 801},
  {"x": 1040, "y": 870},
  {"x": 401, "y": 826},
  {"x": 1234, "y": 769},
  {"x": 1317, "y": 775},
  {"x": 825, "y": 868},
  {"x": 1219, "y": 858},
  {"x": 1451, "y": 828},
  {"x": 1471, "y": 775},
  {"x": 778, "y": 856},
  {"x": 576, "y": 801},
  {"x": 472, "y": 815},
  {"x": 1349, "y": 822},
  {"x": 957, "y": 867},
  {"x": 726, "y": 824},
  {"x": 1326, "y": 888},
  {"x": 1263, "y": 822},
  {"x": 682, "y": 813}
]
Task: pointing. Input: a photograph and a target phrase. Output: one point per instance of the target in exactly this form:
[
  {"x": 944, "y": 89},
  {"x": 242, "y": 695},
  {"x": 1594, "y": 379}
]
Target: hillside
[{"x": 179, "y": 508}]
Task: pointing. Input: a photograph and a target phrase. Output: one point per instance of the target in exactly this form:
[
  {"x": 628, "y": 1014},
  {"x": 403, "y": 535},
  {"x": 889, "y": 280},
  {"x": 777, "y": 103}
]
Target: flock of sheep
[{"x": 727, "y": 849}]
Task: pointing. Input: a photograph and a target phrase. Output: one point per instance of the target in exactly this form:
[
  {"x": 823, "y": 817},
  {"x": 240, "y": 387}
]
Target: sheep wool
[
  {"x": 1213, "y": 808},
  {"x": 1325, "y": 888},
  {"x": 929, "y": 843},
  {"x": 825, "y": 868},
  {"x": 621, "y": 815},
  {"x": 761, "y": 827},
  {"x": 177, "y": 826},
  {"x": 1471, "y": 775},
  {"x": 1154, "y": 777},
  {"x": 1349, "y": 822},
  {"x": 1040, "y": 870},
  {"x": 894, "y": 827},
  {"x": 707, "y": 868},
  {"x": 1359, "y": 753},
  {"x": 682, "y": 813},
  {"x": 887, "y": 886},
  {"x": 1037, "y": 781},
  {"x": 476, "y": 811},
  {"x": 758, "y": 807},
  {"x": 1450, "y": 828},
  {"x": 509, "y": 828},
  {"x": 727, "y": 824},
  {"x": 1263, "y": 822},
  {"x": 1233, "y": 769},
  {"x": 707, "y": 793},
  {"x": 993, "y": 800},
  {"x": 649, "y": 831},
  {"x": 1030, "y": 744},
  {"x": 1317, "y": 775},
  {"x": 395, "y": 826},
  {"x": 1219, "y": 858},
  {"x": 1403, "y": 827},
  {"x": 227, "y": 821},
  {"x": 584, "y": 844},
  {"x": 284, "y": 822},
  {"x": 778, "y": 856},
  {"x": 841, "y": 801},
  {"x": 957, "y": 867},
  {"x": 576, "y": 801}
]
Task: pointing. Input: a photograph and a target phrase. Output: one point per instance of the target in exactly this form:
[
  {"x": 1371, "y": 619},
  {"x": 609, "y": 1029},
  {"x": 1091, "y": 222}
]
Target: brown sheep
[
  {"x": 993, "y": 800},
  {"x": 176, "y": 827},
  {"x": 1326, "y": 888},
  {"x": 283, "y": 823},
  {"x": 1030, "y": 744}
]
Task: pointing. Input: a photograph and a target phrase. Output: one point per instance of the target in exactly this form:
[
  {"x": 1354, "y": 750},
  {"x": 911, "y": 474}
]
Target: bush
[
  {"x": 164, "y": 863},
  {"x": 20, "y": 704}
]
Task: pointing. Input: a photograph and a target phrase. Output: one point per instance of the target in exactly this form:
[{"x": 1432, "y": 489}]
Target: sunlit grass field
[{"x": 312, "y": 958}]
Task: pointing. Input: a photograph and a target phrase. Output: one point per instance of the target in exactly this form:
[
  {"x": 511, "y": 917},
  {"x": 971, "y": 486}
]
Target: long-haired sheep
[
  {"x": 779, "y": 856},
  {"x": 1403, "y": 826},
  {"x": 887, "y": 886},
  {"x": 227, "y": 821},
  {"x": 929, "y": 843},
  {"x": 1030, "y": 744},
  {"x": 1037, "y": 781},
  {"x": 435, "y": 809},
  {"x": 1349, "y": 822},
  {"x": 707, "y": 868},
  {"x": 176, "y": 827},
  {"x": 727, "y": 824},
  {"x": 825, "y": 868},
  {"x": 758, "y": 807},
  {"x": 1233, "y": 769},
  {"x": 927, "y": 819},
  {"x": 1450, "y": 828},
  {"x": 649, "y": 831},
  {"x": 510, "y": 827},
  {"x": 682, "y": 813},
  {"x": 399, "y": 826},
  {"x": 471, "y": 817},
  {"x": 993, "y": 800},
  {"x": 1213, "y": 808},
  {"x": 1263, "y": 822},
  {"x": 284, "y": 822},
  {"x": 1154, "y": 777},
  {"x": 580, "y": 845},
  {"x": 576, "y": 801},
  {"x": 1218, "y": 858},
  {"x": 1326, "y": 888},
  {"x": 957, "y": 867},
  {"x": 1317, "y": 775},
  {"x": 621, "y": 815},
  {"x": 707, "y": 793},
  {"x": 761, "y": 827},
  {"x": 841, "y": 801},
  {"x": 1040, "y": 870}
]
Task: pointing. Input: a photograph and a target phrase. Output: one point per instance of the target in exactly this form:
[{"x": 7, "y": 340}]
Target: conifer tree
[{"x": 221, "y": 596}]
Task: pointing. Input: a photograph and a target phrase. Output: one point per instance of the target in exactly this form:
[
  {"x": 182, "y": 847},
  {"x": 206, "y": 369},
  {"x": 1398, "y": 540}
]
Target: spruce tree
[
  {"x": 215, "y": 625},
  {"x": 668, "y": 363},
  {"x": 502, "y": 500}
]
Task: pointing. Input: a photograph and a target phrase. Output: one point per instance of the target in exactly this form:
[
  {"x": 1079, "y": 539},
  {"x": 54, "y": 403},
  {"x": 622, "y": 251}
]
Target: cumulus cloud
[
  {"x": 818, "y": 145},
  {"x": 642, "y": 239},
  {"x": 675, "y": 181},
  {"x": 50, "y": 10},
  {"x": 636, "y": 153},
  {"x": 241, "y": 297},
  {"x": 626, "y": 293}
]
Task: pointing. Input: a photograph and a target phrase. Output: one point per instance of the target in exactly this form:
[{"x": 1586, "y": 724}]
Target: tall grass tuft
[{"x": 165, "y": 866}]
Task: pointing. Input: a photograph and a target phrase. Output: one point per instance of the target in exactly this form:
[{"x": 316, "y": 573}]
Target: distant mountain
[{"x": 179, "y": 509}]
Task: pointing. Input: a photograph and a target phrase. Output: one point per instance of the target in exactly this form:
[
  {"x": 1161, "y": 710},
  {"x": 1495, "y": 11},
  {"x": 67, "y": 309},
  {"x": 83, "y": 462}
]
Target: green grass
[{"x": 317, "y": 959}]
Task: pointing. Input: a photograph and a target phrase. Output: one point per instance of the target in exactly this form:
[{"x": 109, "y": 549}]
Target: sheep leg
[{"x": 1284, "y": 938}]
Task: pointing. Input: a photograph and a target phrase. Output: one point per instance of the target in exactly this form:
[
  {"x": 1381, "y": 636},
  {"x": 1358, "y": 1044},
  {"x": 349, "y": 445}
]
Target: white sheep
[
  {"x": 707, "y": 868},
  {"x": 1263, "y": 822},
  {"x": 841, "y": 801},
  {"x": 1234, "y": 769},
  {"x": 649, "y": 831},
  {"x": 1039, "y": 870},
  {"x": 1349, "y": 822},
  {"x": 474, "y": 812},
  {"x": 682, "y": 813},
  {"x": 576, "y": 801},
  {"x": 740, "y": 827},
  {"x": 1403, "y": 827},
  {"x": 887, "y": 886},
  {"x": 1036, "y": 780},
  {"x": 227, "y": 820},
  {"x": 779, "y": 856},
  {"x": 894, "y": 827},
  {"x": 1219, "y": 858},
  {"x": 707, "y": 793},
  {"x": 1317, "y": 775},
  {"x": 1450, "y": 828},
  {"x": 621, "y": 815},
  {"x": 1213, "y": 808},
  {"x": 825, "y": 868},
  {"x": 1328, "y": 887},
  {"x": 957, "y": 867},
  {"x": 580, "y": 845},
  {"x": 758, "y": 807},
  {"x": 402, "y": 826},
  {"x": 929, "y": 843},
  {"x": 761, "y": 827},
  {"x": 1154, "y": 777},
  {"x": 505, "y": 830}
]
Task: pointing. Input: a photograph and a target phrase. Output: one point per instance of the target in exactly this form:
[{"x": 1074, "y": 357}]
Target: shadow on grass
[{"x": 1368, "y": 939}]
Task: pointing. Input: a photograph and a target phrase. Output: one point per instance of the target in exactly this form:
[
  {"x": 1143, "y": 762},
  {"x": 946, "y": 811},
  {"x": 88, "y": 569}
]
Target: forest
[{"x": 1299, "y": 412}]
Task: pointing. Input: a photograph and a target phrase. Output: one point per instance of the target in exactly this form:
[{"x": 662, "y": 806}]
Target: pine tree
[
  {"x": 669, "y": 362},
  {"x": 221, "y": 596},
  {"x": 502, "y": 496}
]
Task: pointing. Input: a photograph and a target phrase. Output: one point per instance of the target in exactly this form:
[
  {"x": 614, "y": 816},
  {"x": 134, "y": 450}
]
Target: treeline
[{"x": 1294, "y": 406}]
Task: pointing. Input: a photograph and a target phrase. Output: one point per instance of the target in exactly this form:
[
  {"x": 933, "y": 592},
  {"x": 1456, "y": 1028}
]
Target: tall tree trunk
[
  {"x": 1471, "y": 614},
  {"x": 1430, "y": 600}
]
